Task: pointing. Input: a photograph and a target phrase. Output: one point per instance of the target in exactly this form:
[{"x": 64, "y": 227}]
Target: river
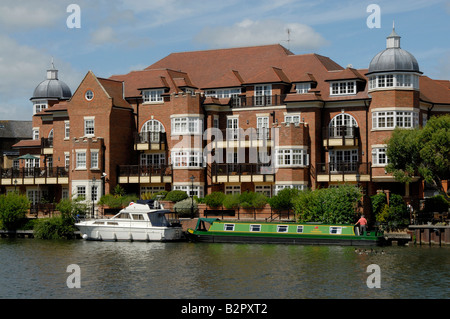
[{"x": 33, "y": 268}]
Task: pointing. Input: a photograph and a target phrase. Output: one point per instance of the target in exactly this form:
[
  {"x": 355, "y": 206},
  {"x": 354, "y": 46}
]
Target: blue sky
[{"x": 117, "y": 36}]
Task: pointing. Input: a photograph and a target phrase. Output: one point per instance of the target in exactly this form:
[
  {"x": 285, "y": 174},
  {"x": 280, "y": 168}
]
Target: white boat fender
[{"x": 85, "y": 236}]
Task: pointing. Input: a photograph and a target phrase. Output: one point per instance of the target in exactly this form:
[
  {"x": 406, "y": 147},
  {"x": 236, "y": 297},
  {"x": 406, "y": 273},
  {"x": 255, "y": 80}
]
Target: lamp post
[
  {"x": 92, "y": 196},
  {"x": 192, "y": 195},
  {"x": 15, "y": 185}
]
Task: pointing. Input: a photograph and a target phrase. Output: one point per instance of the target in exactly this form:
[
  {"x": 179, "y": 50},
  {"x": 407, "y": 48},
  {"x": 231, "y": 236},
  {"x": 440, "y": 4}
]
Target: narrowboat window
[
  {"x": 228, "y": 227},
  {"x": 137, "y": 216},
  {"x": 255, "y": 227},
  {"x": 300, "y": 229},
  {"x": 335, "y": 230},
  {"x": 282, "y": 228},
  {"x": 123, "y": 216}
]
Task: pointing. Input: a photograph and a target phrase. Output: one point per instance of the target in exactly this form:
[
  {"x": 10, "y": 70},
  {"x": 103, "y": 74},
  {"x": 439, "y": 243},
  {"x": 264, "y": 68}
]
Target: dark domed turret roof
[
  {"x": 393, "y": 58},
  {"x": 52, "y": 87}
]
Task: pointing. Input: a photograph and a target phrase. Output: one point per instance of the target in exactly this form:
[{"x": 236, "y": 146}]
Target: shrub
[
  {"x": 60, "y": 227},
  {"x": 13, "y": 210},
  {"x": 176, "y": 196},
  {"x": 252, "y": 200},
  {"x": 114, "y": 201},
  {"x": 215, "y": 199},
  {"x": 283, "y": 200},
  {"x": 231, "y": 201},
  {"x": 160, "y": 193},
  {"x": 329, "y": 205},
  {"x": 183, "y": 207},
  {"x": 392, "y": 216}
]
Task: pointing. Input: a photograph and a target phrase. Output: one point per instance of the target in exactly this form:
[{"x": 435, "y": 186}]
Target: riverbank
[{"x": 415, "y": 234}]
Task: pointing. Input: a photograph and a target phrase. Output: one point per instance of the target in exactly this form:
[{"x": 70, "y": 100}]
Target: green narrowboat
[{"x": 222, "y": 231}]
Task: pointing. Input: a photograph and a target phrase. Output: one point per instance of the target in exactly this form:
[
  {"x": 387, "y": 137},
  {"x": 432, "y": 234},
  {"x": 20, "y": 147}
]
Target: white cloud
[
  {"x": 104, "y": 35},
  {"x": 22, "y": 68},
  {"x": 29, "y": 14},
  {"x": 249, "y": 32}
]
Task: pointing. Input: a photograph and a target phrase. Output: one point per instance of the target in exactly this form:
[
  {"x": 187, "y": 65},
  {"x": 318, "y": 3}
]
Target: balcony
[
  {"x": 136, "y": 174},
  {"x": 257, "y": 101},
  {"x": 47, "y": 146},
  {"x": 238, "y": 137},
  {"x": 242, "y": 172},
  {"x": 34, "y": 176},
  {"x": 340, "y": 135},
  {"x": 148, "y": 141},
  {"x": 344, "y": 172}
]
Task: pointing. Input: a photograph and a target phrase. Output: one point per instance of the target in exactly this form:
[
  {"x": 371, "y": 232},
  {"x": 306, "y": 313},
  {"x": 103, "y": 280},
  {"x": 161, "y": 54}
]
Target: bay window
[
  {"x": 392, "y": 119},
  {"x": 291, "y": 157},
  {"x": 187, "y": 125}
]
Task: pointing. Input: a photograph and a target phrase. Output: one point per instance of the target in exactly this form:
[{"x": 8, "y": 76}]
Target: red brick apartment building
[{"x": 253, "y": 118}]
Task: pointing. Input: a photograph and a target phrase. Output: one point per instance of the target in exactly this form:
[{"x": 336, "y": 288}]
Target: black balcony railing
[
  {"x": 145, "y": 170},
  {"x": 19, "y": 174},
  {"x": 150, "y": 138},
  {"x": 255, "y": 101},
  {"x": 344, "y": 168},
  {"x": 47, "y": 142},
  {"x": 249, "y": 134},
  {"x": 241, "y": 169},
  {"x": 339, "y": 131}
]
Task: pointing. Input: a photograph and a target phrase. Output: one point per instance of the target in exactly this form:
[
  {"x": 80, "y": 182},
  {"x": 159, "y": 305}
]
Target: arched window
[
  {"x": 150, "y": 131},
  {"x": 343, "y": 125}
]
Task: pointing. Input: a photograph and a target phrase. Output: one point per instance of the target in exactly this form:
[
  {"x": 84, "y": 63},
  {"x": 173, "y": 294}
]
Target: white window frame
[
  {"x": 262, "y": 127},
  {"x": 255, "y": 227},
  {"x": 280, "y": 187},
  {"x": 153, "y": 96},
  {"x": 80, "y": 159},
  {"x": 81, "y": 190},
  {"x": 263, "y": 95},
  {"x": 196, "y": 190},
  {"x": 292, "y": 118},
  {"x": 186, "y": 125},
  {"x": 151, "y": 189},
  {"x": 66, "y": 130},
  {"x": 291, "y": 157},
  {"x": 379, "y": 157},
  {"x": 89, "y": 126},
  {"x": 302, "y": 88},
  {"x": 390, "y": 119},
  {"x": 39, "y": 106},
  {"x": 343, "y": 88},
  {"x": 394, "y": 80},
  {"x": 94, "y": 159},
  {"x": 35, "y": 133},
  {"x": 187, "y": 159}
]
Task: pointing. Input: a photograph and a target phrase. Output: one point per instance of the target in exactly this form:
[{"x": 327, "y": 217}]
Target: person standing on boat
[{"x": 362, "y": 224}]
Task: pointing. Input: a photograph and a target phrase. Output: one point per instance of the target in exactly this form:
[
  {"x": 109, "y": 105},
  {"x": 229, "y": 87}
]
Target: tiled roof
[
  {"x": 235, "y": 67},
  {"x": 434, "y": 91}
]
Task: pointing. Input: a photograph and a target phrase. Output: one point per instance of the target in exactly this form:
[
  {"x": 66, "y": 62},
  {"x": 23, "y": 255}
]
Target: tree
[
  {"x": 424, "y": 152},
  {"x": 13, "y": 210}
]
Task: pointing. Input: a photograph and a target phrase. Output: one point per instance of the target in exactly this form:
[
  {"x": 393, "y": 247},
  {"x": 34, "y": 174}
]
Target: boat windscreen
[{"x": 158, "y": 219}]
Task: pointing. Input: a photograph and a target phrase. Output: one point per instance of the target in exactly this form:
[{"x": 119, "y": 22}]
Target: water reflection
[{"x": 37, "y": 269}]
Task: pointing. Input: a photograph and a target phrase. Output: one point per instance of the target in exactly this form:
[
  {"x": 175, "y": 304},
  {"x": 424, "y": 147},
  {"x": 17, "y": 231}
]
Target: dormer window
[
  {"x": 343, "y": 88},
  {"x": 302, "y": 88},
  {"x": 152, "y": 96},
  {"x": 39, "y": 106}
]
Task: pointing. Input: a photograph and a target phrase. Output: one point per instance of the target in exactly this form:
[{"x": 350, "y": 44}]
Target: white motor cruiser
[{"x": 137, "y": 222}]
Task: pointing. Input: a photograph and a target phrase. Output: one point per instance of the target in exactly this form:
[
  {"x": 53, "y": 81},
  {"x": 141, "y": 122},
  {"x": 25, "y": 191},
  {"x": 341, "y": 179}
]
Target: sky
[{"x": 118, "y": 36}]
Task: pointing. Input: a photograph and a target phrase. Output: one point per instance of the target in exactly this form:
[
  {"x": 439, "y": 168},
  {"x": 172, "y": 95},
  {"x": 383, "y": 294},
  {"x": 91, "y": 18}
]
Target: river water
[{"x": 33, "y": 268}]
